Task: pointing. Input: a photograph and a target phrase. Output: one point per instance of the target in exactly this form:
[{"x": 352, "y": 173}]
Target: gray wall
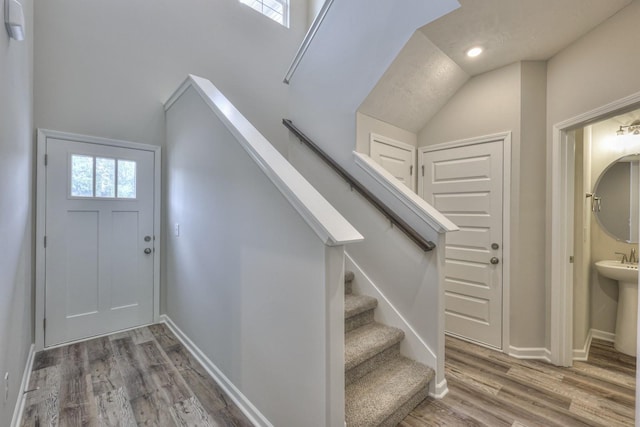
[
  {"x": 248, "y": 281},
  {"x": 106, "y": 68},
  {"x": 16, "y": 207},
  {"x": 511, "y": 98},
  {"x": 592, "y": 72},
  {"x": 366, "y": 125}
]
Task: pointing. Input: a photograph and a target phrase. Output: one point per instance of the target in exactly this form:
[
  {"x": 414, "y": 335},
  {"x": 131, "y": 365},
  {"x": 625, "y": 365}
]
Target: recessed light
[{"x": 474, "y": 51}]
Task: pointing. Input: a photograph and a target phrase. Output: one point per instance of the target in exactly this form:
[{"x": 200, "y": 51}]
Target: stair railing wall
[
  {"x": 255, "y": 264},
  {"x": 342, "y": 65}
]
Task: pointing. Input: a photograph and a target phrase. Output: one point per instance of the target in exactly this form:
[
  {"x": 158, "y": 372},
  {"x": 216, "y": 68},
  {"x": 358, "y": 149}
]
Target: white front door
[
  {"x": 395, "y": 157},
  {"x": 466, "y": 184},
  {"x": 99, "y": 227}
]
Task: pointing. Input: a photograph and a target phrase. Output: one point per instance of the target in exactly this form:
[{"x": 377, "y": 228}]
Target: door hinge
[
  {"x": 44, "y": 323},
  {"x": 46, "y": 159},
  {"x": 571, "y": 259},
  {"x": 45, "y": 241},
  {"x": 422, "y": 167},
  {"x": 411, "y": 170}
]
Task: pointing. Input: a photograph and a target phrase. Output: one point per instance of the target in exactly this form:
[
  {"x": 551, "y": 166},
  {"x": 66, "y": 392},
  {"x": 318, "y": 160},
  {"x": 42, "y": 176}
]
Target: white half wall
[
  {"x": 248, "y": 280},
  {"x": 16, "y": 210}
]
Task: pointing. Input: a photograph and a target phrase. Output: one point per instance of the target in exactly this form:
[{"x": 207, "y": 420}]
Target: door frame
[
  {"x": 41, "y": 179},
  {"x": 505, "y": 137},
  {"x": 559, "y": 241},
  {"x": 376, "y": 137}
]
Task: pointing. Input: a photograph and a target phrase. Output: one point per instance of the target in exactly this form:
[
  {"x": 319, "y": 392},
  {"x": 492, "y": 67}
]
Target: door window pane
[
  {"x": 105, "y": 177},
  {"x": 81, "y": 176},
  {"x": 126, "y": 179}
]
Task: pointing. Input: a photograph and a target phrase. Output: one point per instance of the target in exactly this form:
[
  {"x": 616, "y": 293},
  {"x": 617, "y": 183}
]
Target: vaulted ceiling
[{"x": 433, "y": 65}]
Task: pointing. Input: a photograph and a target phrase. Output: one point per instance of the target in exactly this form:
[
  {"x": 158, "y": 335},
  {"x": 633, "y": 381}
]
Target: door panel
[
  {"x": 396, "y": 158},
  {"x": 465, "y": 184},
  {"x": 99, "y": 208}
]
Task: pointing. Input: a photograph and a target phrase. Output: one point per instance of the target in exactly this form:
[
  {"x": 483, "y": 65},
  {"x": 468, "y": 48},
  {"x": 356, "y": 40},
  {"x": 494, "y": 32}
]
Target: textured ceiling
[
  {"x": 515, "y": 30},
  {"x": 428, "y": 71},
  {"x": 416, "y": 85}
]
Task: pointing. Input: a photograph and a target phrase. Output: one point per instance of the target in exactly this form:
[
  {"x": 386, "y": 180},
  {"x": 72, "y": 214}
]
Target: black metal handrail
[{"x": 395, "y": 220}]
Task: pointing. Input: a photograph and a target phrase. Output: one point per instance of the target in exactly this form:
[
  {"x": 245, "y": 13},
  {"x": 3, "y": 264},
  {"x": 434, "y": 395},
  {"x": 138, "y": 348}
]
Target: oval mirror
[{"x": 616, "y": 198}]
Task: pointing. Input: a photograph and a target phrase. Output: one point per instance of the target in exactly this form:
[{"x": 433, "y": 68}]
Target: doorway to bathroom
[{"x": 594, "y": 177}]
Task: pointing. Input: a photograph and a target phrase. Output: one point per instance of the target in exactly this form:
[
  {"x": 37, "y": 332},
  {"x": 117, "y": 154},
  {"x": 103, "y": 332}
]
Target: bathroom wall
[
  {"x": 595, "y": 70},
  {"x": 582, "y": 240},
  {"x": 511, "y": 98},
  {"x": 366, "y": 125},
  {"x": 607, "y": 147}
]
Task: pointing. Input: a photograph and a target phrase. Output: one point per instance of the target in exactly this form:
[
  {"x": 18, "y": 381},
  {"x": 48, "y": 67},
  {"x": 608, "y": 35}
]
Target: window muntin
[
  {"x": 278, "y": 10},
  {"x": 102, "y": 177}
]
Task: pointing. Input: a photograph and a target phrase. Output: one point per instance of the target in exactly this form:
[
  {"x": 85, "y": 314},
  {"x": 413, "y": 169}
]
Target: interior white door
[
  {"x": 99, "y": 239},
  {"x": 395, "y": 157},
  {"x": 466, "y": 184}
]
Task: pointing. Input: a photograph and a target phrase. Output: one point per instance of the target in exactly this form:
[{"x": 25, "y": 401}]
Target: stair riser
[
  {"x": 400, "y": 414},
  {"x": 372, "y": 363},
  {"x": 348, "y": 287},
  {"x": 358, "y": 320}
]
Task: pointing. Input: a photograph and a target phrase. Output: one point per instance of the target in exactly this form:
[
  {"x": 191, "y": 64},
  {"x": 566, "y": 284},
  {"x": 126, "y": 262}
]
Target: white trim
[
  {"x": 330, "y": 226},
  {"x": 582, "y": 354},
  {"x": 442, "y": 389},
  {"x": 26, "y": 376},
  {"x": 247, "y": 408},
  {"x": 412, "y": 346},
  {"x": 537, "y": 353},
  {"x": 499, "y": 136},
  {"x": 373, "y": 137},
  {"x": 417, "y": 204},
  {"x": 41, "y": 182},
  {"x": 602, "y": 335},
  {"x": 381, "y": 139},
  {"x": 308, "y": 38},
  {"x": 561, "y": 310},
  {"x": 505, "y": 137},
  {"x": 106, "y": 334}
]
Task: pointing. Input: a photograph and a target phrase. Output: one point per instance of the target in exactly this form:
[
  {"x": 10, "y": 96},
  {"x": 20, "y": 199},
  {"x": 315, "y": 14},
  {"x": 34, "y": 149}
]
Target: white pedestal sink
[{"x": 627, "y": 319}]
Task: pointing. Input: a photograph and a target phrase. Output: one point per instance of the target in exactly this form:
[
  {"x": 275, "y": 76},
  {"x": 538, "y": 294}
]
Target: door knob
[
  {"x": 147, "y": 251},
  {"x": 147, "y": 238},
  {"x": 495, "y": 246},
  {"x": 494, "y": 260}
]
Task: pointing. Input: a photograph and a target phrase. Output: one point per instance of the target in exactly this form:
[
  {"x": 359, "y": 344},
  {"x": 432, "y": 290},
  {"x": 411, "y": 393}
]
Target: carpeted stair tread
[
  {"x": 374, "y": 399},
  {"x": 367, "y": 341},
  {"x": 356, "y": 304}
]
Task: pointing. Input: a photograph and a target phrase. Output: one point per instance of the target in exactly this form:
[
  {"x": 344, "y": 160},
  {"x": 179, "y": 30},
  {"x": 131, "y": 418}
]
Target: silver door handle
[
  {"x": 494, "y": 260},
  {"x": 147, "y": 251}
]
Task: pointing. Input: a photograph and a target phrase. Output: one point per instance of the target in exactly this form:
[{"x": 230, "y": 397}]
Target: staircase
[{"x": 382, "y": 386}]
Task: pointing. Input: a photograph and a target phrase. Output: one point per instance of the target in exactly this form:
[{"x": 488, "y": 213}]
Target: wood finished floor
[
  {"x": 143, "y": 377},
  {"x": 488, "y": 388}
]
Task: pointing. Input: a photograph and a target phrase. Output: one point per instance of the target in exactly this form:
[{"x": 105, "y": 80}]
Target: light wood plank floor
[
  {"x": 143, "y": 377},
  {"x": 488, "y": 388}
]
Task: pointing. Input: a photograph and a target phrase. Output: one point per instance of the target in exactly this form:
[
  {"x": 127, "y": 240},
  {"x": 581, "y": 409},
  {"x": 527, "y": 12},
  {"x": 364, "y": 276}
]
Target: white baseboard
[
  {"x": 19, "y": 408},
  {"x": 539, "y": 353},
  {"x": 602, "y": 335},
  {"x": 412, "y": 346},
  {"x": 582, "y": 354},
  {"x": 442, "y": 389},
  {"x": 254, "y": 415}
]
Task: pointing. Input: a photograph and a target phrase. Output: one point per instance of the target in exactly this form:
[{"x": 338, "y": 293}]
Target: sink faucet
[
  {"x": 624, "y": 257},
  {"x": 633, "y": 257}
]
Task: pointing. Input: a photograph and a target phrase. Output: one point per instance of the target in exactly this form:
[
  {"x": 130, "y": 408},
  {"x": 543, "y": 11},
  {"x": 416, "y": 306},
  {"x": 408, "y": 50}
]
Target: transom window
[
  {"x": 278, "y": 10},
  {"x": 102, "y": 177}
]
